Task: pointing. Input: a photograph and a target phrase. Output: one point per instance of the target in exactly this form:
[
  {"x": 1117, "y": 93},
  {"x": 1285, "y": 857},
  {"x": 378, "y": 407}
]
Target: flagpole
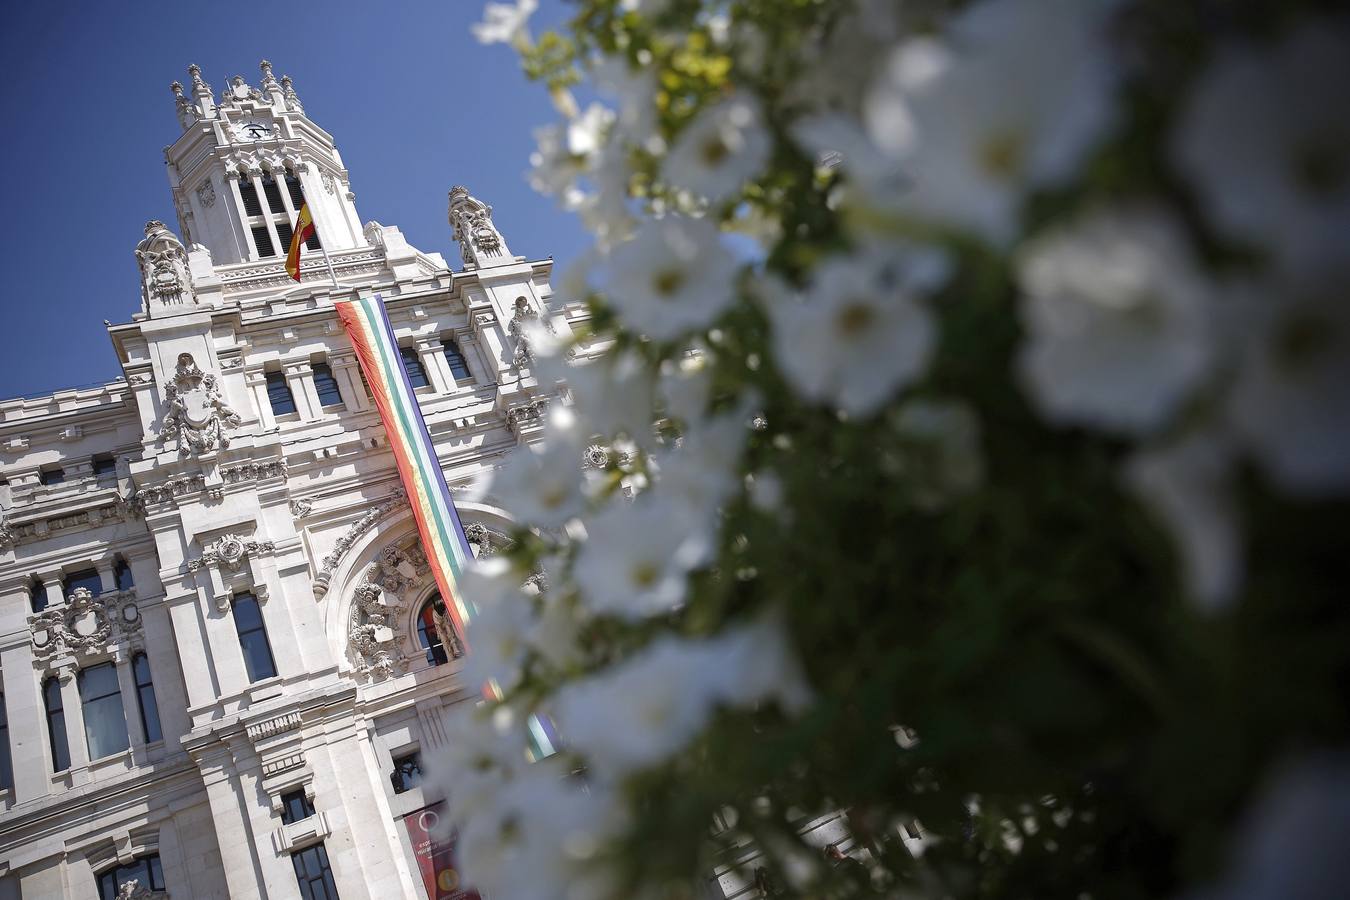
[{"x": 327, "y": 259}]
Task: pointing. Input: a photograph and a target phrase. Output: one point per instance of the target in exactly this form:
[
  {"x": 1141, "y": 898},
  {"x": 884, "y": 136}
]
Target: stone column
[
  {"x": 52, "y": 582},
  {"x": 131, "y": 708},
  {"x": 106, "y": 576},
  {"x": 27, "y": 723},
  {"x": 232, "y": 178},
  {"x": 256, "y": 380},
  {"x": 300, "y": 379},
  {"x": 255, "y": 176},
  {"x": 492, "y": 340},
  {"x": 189, "y": 632},
  {"x": 345, "y": 372},
  {"x": 238, "y": 853},
  {"x": 74, "y": 710},
  {"x": 165, "y": 673},
  {"x": 432, "y": 354}
]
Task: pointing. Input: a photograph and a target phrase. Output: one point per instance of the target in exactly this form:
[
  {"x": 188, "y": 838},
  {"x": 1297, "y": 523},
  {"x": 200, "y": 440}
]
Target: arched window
[
  {"x": 146, "y": 870},
  {"x": 427, "y": 635},
  {"x": 459, "y": 367},
  {"x": 56, "y": 724}
]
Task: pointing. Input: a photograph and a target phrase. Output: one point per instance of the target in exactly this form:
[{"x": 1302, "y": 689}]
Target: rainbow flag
[{"x": 437, "y": 521}]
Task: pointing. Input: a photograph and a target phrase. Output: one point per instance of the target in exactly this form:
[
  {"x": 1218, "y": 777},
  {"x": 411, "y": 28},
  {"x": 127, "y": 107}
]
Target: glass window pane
[
  {"x": 279, "y": 394},
  {"x": 326, "y": 386},
  {"x": 122, "y": 574},
  {"x": 246, "y": 613},
  {"x": 458, "y": 366},
  {"x": 105, "y": 724},
  {"x": 6, "y": 764},
  {"x": 412, "y": 365},
  {"x": 428, "y": 636},
  {"x": 156, "y": 874},
  {"x": 85, "y": 578},
  {"x": 145, "y": 696},
  {"x": 56, "y": 724}
]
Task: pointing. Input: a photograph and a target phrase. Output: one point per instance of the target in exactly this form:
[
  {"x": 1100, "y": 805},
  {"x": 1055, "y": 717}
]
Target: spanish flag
[{"x": 304, "y": 228}]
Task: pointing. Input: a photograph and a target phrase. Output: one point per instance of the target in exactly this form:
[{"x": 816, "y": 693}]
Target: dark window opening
[
  {"x": 105, "y": 724},
  {"x": 427, "y": 635},
  {"x": 279, "y": 394},
  {"x": 6, "y": 764},
  {"x": 144, "y": 870},
  {"x": 295, "y": 806},
  {"x": 262, "y": 238},
  {"x": 105, "y": 465},
  {"x": 313, "y": 873},
  {"x": 252, "y": 205},
  {"x": 407, "y": 772},
  {"x": 326, "y": 386},
  {"x": 296, "y": 191},
  {"x": 56, "y": 724},
  {"x": 145, "y": 695},
  {"x": 284, "y": 234},
  {"x": 273, "y": 193},
  {"x": 412, "y": 365},
  {"x": 85, "y": 578},
  {"x": 459, "y": 367},
  {"x": 122, "y": 574},
  {"x": 248, "y": 622},
  {"x": 312, "y": 242},
  {"x": 37, "y": 595},
  {"x": 52, "y": 475}
]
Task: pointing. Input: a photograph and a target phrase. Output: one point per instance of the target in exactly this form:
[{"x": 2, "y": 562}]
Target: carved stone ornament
[
  {"x": 197, "y": 414},
  {"x": 377, "y": 601},
  {"x": 329, "y": 182},
  {"x": 228, "y": 552},
  {"x": 85, "y": 623},
  {"x": 301, "y": 506},
  {"x": 526, "y": 413},
  {"x": 133, "y": 890},
  {"x": 471, "y": 225},
  {"x": 519, "y": 328},
  {"x": 344, "y": 543},
  {"x": 165, "y": 282},
  {"x": 7, "y": 535},
  {"x": 206, "y": 193}
]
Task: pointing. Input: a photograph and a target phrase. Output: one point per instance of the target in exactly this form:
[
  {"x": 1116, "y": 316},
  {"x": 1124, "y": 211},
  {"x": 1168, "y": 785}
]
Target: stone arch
[{"x": 375, "y": 591}]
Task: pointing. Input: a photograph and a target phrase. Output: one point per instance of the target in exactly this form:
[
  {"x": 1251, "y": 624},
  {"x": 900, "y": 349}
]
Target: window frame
[
  {"x": 428, "y": 638},
  {"x": 110, "y": 880},
  {"x": 58, "y": 739},
  {"x": 250, "y": 632},
  {"x": 334, "y": 391},
  {"x": 401, "y": 778},
  {"x": 290, "y": 800},
  {"x": 410, "y": 357},
  {"x": 276, "y": 380},
  {"x": 143, "y": 688},
  {"x": 324, "y": 876},
  {"x": 110, "y": 699},
  {"x": 455, "y": 358},
  {"x": 6, "y": 757}
]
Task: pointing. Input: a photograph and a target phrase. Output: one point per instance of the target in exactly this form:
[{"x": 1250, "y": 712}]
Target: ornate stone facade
[{"x": 182, "y": 477}]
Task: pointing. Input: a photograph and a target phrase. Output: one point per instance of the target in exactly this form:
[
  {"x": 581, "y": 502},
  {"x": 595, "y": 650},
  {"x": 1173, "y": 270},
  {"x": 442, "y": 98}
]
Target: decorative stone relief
[
  {"x": 206, "y": 193},
  {"x": 197, "y": 413},
  {"x": 133, "y": 890},
  {"x": 376, "y": 603},
  {"x": 254, "y": 471},
  {"x": 471, "y": 225},
  {"x": 85, "y": 623},
  {"x": 525, "y": 413},
  {"x": 165, "y": 282},
  {"x": 228, "y": 552},
  {"x": 301, "y": 506},
  {"x": 596, "y": 456},
  {"x": 7, "y": 536},
  {"x": 344, "y": 543},
  {"x": 329, "y": 182}
]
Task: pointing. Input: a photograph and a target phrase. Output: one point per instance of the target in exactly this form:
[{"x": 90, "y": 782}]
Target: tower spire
[
  {"x": 480, "y": 243},
  {"x": 288, "y": 90},
  {"x": 182, "y": 105},
  {"x": 202, "y": 97},
  {"x": 270, "y": 88}
]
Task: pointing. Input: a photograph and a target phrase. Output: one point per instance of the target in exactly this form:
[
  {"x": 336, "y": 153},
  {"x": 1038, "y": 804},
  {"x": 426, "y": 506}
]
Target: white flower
[
  {"x": 942, "y": 454},
  {"x": 635, "y": 94},
  {"x": 701, "y": 472},
  {"x": 541, "y": 483},
  {"x": 1013, "y": 100},
  {"x": 613, "y": 396},
  {"x": 672, "y": 277},
  {"x": 504, "y": 23},
  {"x": 636, "y": 556},
  {"x": 638, "y": 713},
  {"x": 753, "y": 663},
  {"x": 484, "y": 753},
  {"x": 566, "y": 151},
  {"x": 685, "y": 386},
  {"x": 1266, "y": 140},
  {"x": 1290, "y": 403},
  {"x": 860, "y": 334},
  {"x": 503, "y": 618},
  {"x": 1187, "y": 485},
  {"x": 721, "y": 149},
  {"x": 1119, "y": 321}
]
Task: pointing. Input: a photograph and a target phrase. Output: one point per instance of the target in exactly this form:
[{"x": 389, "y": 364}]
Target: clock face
[{"x": 252, "y": 131}]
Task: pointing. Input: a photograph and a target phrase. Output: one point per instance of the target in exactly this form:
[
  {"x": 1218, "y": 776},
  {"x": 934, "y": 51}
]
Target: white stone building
[{"x": 214, "y": 653}]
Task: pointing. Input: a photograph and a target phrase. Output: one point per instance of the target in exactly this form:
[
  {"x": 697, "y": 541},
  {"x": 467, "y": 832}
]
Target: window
[
  {"x": 295, "y": 806},
  {"x": 279, "y": 394},
  {"x": 37, "y": 594},
  {"x": 144, "y": 870},
  {"x": 311, "y": 870},
  {"x": 145, "y": 696},
  {"x": 56, "y": 724},
  {"x": 427, "y": 635},
  {"x": 105, "y": 725},
  {"x": 253, "y": 638},
  {"x": 85, "y": 578},
  {"x": 263, "y": 239},
  {"x": 294, "y": 189},
  {"x": 105, "y": 466},
  {"x": 272, "y": 191},
  {"x": 459, "y": 368},
  {"x": 326, "y": 385},
  {"x": 6, "y": 764},
  {"x": 252, "y": 206},
  {"x": 284, "y": 233},
  {"x": 122, "y": 575},
  {"x": 51, "y": 475},
  {"x": 417, "y": 376},
  {"x": 407, "y": 772}
]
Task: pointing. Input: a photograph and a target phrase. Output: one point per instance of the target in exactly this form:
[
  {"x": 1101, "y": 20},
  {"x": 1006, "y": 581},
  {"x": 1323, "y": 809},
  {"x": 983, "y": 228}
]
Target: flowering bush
[{"x": 961, "y": 441}]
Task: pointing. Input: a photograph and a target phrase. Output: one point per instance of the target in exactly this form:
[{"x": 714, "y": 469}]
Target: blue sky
[{"x": 414, "y": 103}]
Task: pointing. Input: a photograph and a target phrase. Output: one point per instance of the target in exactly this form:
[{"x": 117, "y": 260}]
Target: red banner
[{"x": 436, "y": 858}]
